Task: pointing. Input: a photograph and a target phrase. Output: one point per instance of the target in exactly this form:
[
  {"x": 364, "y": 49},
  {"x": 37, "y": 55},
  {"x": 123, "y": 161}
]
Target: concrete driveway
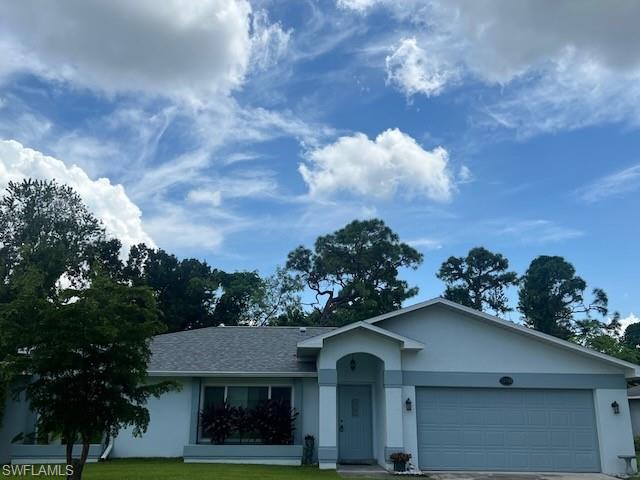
[{"x": 518, "y": 476}]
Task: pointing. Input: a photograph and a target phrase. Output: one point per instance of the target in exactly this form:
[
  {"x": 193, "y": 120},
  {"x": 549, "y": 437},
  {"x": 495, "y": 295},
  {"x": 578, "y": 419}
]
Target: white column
[
  {"x": 393, "y": 411},
  {"x": 327, "y": 444},
  {"x": 614, "y": 430}
]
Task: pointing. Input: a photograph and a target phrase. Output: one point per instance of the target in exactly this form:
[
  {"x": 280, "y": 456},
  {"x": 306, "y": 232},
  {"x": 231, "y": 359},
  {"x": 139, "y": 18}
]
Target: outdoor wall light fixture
[
  {"x": 352, "y": 364},
  {"x": 408, "y": 405},
  {"x": 616, "y": 408}
]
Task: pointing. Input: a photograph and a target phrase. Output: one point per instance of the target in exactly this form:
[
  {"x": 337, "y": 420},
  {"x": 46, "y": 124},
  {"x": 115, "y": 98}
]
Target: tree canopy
[
  {"x": 631, "y": 336},
  {"x": 478, "y": 280},
  {"x": 45, "y": 225},
  {"x": 353, "y": 272},
  {"x": 551, "y": 295}
]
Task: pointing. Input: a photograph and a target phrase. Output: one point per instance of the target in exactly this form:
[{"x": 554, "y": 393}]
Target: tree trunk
[{"x": 77, "y": 463}]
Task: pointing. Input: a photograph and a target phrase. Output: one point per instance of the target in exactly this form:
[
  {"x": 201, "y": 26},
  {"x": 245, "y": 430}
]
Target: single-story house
[{"x": 456, "y": 388}]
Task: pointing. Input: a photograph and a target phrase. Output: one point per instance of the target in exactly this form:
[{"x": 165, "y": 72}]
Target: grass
[{"x": 175, "y": 469}]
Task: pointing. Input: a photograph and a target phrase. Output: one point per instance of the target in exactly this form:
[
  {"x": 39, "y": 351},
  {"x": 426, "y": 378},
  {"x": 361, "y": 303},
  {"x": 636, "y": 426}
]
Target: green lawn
[{"x": 175, "y": 469}]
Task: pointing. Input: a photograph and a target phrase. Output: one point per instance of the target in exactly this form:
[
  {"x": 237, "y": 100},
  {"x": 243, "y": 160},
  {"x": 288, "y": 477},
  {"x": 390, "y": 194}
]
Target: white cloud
[
  {"x": 628, "y": 320},
  {"x": 615, "y": 184},
  {"x": 206, "y": 197},
  {"x": 378, "y": 168},
  {"x": 537, "y": 231},
  {"x": 270, "y": 41},
  {"x": 177, "y": 230},
  {"x": 414, "y": 70},
  {"x": 248, "y": 184},
  {"x": 557, "y": 68},
  {"x": 173, "y": 48},
  {"x": 358, "y": 5},
  {"x": 426, "y": 243},
  {"x": 110, "y": 203},
  {"x": 465, "y": 175}
]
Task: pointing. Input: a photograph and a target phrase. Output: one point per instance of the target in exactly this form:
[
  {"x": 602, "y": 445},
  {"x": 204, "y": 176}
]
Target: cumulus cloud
[
  {"x": 110, "y": 203},
  {"x": 413, "y": 70},
  {"x": 378, "y": 168},
  {"x": 186, "y": 49}
]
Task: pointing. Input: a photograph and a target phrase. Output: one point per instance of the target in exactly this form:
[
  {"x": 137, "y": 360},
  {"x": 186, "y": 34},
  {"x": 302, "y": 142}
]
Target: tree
[
  {"x": 191, "y": 294},
  {"x": 241, "y": 293},
  {"x": 353, "y": 272},
  {"x": 631, "y": 336},
  {"x": 551, "y": 295},
  {"x": 45, "y": 225},
  {"x": 85, "y": 353},
  {"x": 478, "y": 280},
  {"x": 186, "y": 290}
]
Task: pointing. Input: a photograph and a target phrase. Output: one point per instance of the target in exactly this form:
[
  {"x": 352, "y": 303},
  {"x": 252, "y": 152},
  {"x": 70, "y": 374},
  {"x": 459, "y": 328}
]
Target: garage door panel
[{"x": 497, "y": 429}]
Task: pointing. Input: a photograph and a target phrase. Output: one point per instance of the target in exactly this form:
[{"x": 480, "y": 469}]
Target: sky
[{"x": 233, "y": 131}]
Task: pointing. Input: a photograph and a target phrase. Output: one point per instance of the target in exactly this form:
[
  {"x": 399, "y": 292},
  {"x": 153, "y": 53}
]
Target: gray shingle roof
[{"x": 232, "y": 349}]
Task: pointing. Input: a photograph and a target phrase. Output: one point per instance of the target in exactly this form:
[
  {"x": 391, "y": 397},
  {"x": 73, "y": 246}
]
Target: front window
[{"x": 246, "y": 401}]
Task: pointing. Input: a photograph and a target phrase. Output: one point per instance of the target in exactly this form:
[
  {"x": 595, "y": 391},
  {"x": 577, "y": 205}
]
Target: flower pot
[{"x": 399, "y": 466}]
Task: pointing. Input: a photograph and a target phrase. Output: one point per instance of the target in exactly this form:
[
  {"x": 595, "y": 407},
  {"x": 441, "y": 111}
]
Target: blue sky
[{"x": 234, "y": 131}]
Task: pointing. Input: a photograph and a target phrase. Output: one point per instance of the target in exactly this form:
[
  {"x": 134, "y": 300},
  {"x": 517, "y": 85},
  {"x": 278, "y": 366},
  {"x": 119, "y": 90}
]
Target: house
[{"x": 456, "y": 388}]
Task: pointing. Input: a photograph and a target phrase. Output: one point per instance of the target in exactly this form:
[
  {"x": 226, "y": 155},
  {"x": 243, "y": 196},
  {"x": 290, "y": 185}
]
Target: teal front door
[{"x": 354, "y": 424}]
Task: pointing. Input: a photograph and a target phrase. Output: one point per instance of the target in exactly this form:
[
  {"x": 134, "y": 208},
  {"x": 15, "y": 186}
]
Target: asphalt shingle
[{"x": 232, "y": 349}]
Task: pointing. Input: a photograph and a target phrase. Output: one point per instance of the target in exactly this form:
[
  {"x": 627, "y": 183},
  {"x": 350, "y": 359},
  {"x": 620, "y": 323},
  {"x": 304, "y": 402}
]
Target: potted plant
[{"x": 400, "y": 460}]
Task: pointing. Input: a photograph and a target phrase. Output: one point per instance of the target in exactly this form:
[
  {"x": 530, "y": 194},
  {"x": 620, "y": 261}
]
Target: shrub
[
  {"x": 275, "y": 422},
  {"x": 243, "y": 422},
  {"x": 636, "y": 442},
  {"x": 272, "y": 422},
  {"x": 217, "y": 422}
]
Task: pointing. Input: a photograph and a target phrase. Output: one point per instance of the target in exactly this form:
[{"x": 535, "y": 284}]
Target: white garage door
[{"x": 508, "y": 430}]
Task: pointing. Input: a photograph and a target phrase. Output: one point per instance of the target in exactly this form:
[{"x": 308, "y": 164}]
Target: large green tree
[
  {"x": 85, "y": 353},
  {"x": 46, "y": 226},
  {"x": 478, "y": 280},
  {"x": 353, "y": 273},
  {"x": 552, "y": 298}
]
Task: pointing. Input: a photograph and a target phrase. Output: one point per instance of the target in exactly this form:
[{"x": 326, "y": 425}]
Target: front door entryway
[{"x": 354, "y": 424}]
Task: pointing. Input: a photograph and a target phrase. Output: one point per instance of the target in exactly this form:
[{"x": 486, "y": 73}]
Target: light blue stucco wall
[
  {"x": 309, "y": 411},
  {"x": 168, "y": 430},
  {"x": 455, "y": 342},
  {"x": 171, "y": 416},
  {"x": 16, "y": 420}
]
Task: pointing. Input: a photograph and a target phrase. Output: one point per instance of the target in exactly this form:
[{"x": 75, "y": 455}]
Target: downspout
[{"x": 107, "y": 451}]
